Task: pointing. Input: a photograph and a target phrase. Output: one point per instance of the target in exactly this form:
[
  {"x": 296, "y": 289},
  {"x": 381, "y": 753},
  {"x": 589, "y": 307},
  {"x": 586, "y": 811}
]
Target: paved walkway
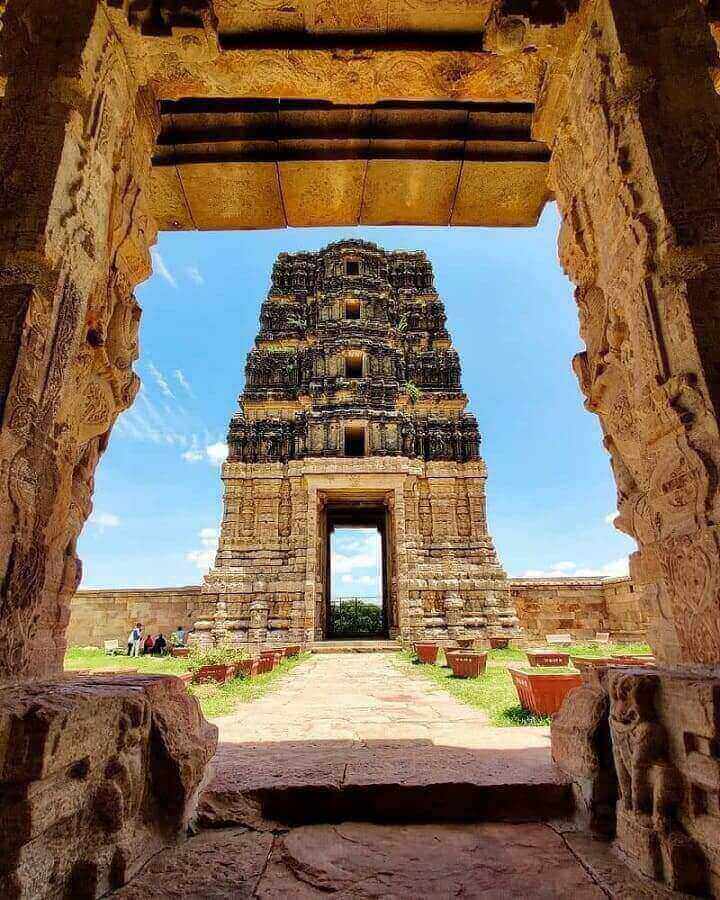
[
  {"x": 362, "y": 697},
  {"x": 354, "y": 779}
]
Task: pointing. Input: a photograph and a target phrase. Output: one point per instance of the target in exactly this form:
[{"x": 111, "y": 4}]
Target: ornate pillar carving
[
  {"x": 75, "y": 142},
  {"x": 635, "y": 169}
]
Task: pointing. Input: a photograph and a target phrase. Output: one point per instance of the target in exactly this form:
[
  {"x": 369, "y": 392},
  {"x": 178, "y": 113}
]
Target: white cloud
[
  {"x": 616, "y": 568},
  {"x": 217, "y": 453},
  {"x": 205, "y": 556},
  {"x": 194, "y": 274},
  {"x": 160, "y": 380},
  {"x": 183, "y": 382},
  {"x": 610, "y": 517},
  {"x": 160, "y": 267},
  {"x": 103, "y": 520},
  {"x": 343, "y": 563}
]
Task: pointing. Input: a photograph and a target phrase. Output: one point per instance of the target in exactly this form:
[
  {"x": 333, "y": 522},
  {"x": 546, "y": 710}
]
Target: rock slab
[{"x": 96, "y": 776}]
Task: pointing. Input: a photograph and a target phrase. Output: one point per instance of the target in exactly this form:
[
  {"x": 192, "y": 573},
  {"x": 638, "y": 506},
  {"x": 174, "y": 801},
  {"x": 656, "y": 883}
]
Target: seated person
[
  {"x": 178, "y": 637},
  {"x": 160, "y": 646},
  {"x": 149, "y": 644}
]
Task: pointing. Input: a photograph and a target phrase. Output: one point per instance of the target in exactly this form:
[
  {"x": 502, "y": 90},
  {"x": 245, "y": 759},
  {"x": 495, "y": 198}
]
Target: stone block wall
[
  {"x": 102, "y": 615},
  {"x": 580, "y": 606}
]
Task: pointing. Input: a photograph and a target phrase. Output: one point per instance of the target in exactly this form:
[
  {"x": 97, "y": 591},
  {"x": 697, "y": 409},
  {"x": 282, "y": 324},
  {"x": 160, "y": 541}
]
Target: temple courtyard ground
[{"x": 356, "y": 778}]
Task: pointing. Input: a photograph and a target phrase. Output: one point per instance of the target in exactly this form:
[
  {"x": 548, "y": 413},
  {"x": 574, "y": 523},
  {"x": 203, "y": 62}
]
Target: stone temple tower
[{"x": 353, "y": 414}]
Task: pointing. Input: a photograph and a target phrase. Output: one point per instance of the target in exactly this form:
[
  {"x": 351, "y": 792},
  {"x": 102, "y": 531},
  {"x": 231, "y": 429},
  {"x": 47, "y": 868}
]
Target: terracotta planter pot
[
  {"x": 246, "y": 668},
  {"x": 427, "y": 653},
  {"x": 186, "y": 678},
  {"x": 583, "y": 663},
  {"x": 547, "y": 658},
  {"x": 499, "y": 643},
  {"x": 633, "y": 660},
  {"x": 219, "y": 673},
  {"x": 465, "y": 643},
  {"x": 180, "y": 651},
  {"x": 275, "y": 656},
  {"x": 266, "y": 663},
  {"x": 543, "y": 694},
  {"x": 467, "y": 663},
  {"x": 293, "y": 650}
]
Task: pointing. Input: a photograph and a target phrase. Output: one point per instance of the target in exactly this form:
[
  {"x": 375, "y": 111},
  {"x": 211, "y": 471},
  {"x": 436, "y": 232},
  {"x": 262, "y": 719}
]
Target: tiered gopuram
[{"x": 353, "y": 414}]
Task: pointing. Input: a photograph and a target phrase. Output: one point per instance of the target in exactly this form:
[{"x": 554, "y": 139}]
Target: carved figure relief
[
  {"x": 425, "y": 518},
  {"x": 285, "y": 509},
  {"x": 462, "y": 510}
]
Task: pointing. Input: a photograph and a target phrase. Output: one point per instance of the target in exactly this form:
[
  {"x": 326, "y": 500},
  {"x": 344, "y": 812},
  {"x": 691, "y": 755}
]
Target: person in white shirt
[{"x": 137, "y": 636}]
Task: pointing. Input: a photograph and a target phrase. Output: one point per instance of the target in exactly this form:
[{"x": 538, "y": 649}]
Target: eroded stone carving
[{"x": 96, "y": 776}]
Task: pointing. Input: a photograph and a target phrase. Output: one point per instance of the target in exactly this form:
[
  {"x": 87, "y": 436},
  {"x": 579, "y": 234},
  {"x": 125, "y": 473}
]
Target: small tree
[{"x": 413, "y": 392}]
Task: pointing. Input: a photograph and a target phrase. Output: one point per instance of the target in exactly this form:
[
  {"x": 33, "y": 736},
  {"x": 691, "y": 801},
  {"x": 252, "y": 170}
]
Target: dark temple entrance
[{"x": 356, "y": 607}]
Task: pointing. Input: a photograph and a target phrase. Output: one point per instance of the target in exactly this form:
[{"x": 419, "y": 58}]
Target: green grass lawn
[
  {"x": 494, "y": 692},
  {"x": 214, "y": 699}
]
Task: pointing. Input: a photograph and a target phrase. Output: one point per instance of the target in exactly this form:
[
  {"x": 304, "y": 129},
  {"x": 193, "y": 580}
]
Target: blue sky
[{"x": 513, "y": 319}]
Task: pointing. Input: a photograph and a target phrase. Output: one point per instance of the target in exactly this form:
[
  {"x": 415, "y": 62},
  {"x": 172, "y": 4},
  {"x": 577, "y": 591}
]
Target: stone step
[
  {"x": 354, "y": 646},
  {"x": 270, "y": 785}
]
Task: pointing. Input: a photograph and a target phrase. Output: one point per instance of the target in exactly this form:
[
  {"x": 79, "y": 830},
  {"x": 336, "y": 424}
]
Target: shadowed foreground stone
[
  {"x": 96, "y": 776},
  {"x": 358, "y": 859},
  {"x": 262, "y": 786}
]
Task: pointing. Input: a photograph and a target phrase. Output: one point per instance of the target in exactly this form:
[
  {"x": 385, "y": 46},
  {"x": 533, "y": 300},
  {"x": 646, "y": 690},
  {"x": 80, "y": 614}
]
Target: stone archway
[{"x": 627, "y": 107}]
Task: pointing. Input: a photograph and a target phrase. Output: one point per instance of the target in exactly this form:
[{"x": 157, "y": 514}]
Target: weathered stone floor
[
  {"x": 351, "y": 736},
  {"x": 365, "y": 697},
  {"x": 357, "y": 780}
]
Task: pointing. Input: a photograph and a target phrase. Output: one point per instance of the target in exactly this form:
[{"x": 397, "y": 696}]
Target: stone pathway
[
  {"x": 365, "y": 697},
  {"x": 358, "y": 780},
  {"x": 352, "y": 736}
]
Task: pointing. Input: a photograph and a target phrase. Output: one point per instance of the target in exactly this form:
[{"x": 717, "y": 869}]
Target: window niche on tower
[
  {"x": 352, "y": 267},
  {"x": 354, "y": 440},
  {"x": 354, "y": 365},
  {"x": 352, "y": 309}
]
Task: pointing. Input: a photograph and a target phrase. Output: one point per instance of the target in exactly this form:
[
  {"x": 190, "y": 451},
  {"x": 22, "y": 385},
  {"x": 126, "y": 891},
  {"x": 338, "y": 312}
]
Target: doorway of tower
[{"x": 357, "y": 572}]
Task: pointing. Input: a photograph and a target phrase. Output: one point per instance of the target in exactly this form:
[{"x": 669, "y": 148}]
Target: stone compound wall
[
  {"x": 97, "y": 616},
  {"x": 580, "y": 606}
]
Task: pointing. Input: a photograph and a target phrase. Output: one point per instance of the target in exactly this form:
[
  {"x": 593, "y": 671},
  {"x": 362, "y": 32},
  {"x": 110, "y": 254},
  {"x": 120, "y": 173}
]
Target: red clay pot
[
  {"x": 499, "y": 643},
  {"x": 633, "y": 660},
  {"x": 467, "y": 663},
  {"x": 547, "y": 658},
  {"x": 180, "y": 651},
  {"x": 219, "y": 673},
  {"x": 583, "y": 663},
  {"x": 267, "y": 662},
  {"x": 246, "y": 668},
  {"x": 427, "y": 653},
  {"x": 186, "y": 677},
  {"x": 543, "y": 694},
  {"x": 293, "y": 650}
]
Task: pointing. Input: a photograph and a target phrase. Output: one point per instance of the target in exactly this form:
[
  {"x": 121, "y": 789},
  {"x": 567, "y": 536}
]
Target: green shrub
[
  {"x": 222, "y": 655},
  {"x": 354, "y": 618},
  {"x": 413, "y": 392}
]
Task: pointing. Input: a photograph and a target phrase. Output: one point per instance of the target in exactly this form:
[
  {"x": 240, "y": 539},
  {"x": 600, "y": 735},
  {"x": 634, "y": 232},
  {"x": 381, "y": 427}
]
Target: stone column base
[{"x": 651, "y": 737}]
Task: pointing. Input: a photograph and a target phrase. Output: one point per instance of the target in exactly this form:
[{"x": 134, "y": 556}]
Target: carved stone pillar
[
  {"x": 75, "y": 142},
  {"x": 635, "y": 168}
]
